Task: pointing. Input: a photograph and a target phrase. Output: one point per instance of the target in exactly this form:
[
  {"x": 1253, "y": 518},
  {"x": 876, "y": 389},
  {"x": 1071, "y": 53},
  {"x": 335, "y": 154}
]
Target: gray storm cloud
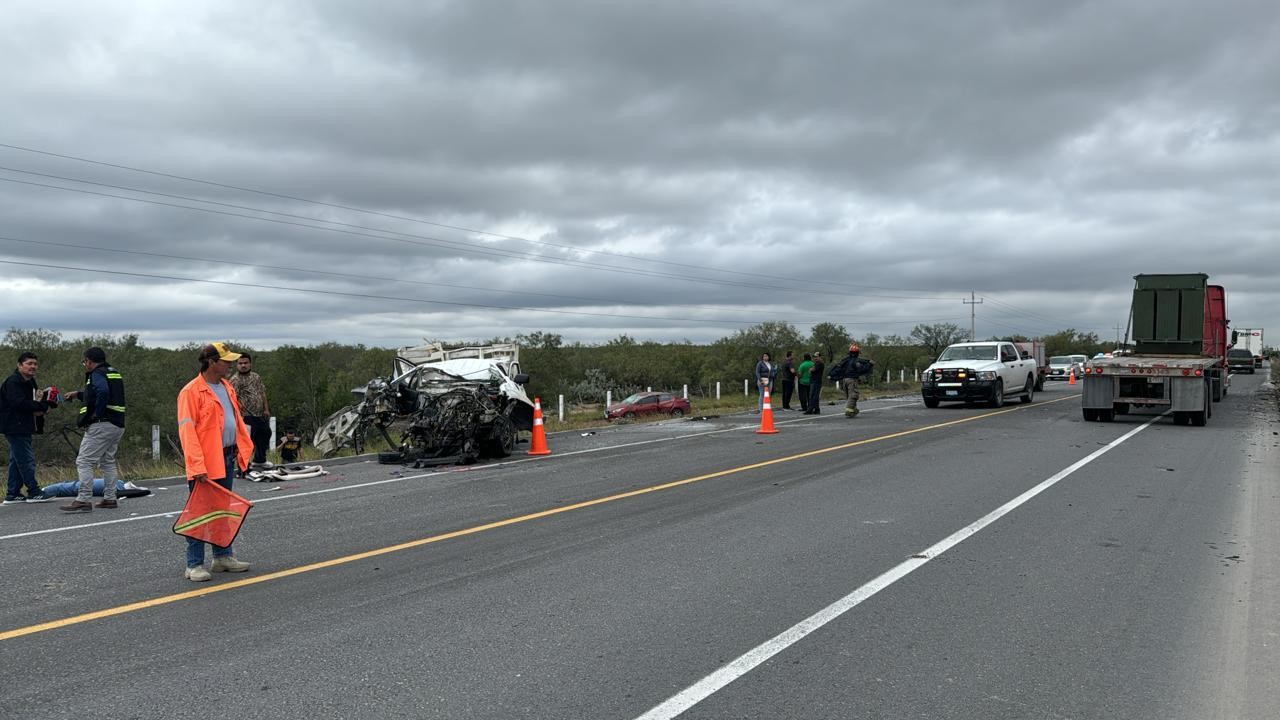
[{"x": 336, "y": 171}]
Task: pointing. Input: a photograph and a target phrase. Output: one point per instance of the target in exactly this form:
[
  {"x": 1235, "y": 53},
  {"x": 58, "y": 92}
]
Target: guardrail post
[
  {"x": 686, "y": 391},
  {"x": 155, "y": 442},
  {"x": 562, "y": 408},
  {"x": 649, "y": 389},
  {"x": 717, "y": 389},
  {"x": 608, "y": 399},
  {"x": 902, "y": 374},
  {"x": 272, "y": 422},
  {"x": 745, "y": 393}
]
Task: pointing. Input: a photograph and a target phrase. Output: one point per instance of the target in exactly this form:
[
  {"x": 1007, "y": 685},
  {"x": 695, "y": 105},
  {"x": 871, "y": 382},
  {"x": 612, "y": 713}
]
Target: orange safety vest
[{"x": 200, "y": 430}]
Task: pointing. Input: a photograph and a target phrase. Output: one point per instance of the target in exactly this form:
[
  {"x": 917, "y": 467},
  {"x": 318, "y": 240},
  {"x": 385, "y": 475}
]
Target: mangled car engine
[{"x": 428, "y": 415}]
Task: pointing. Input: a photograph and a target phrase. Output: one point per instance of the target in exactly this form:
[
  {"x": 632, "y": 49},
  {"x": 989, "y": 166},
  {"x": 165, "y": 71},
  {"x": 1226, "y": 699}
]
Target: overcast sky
[{"x": 383, "y": 172}]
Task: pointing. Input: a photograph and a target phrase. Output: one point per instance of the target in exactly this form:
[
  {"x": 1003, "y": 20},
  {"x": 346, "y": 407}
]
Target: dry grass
[
  {"x": 588, "y": 416},
  {"x": 576, "y": 417}
]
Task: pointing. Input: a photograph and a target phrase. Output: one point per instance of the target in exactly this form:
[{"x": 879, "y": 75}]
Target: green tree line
[{"x": 307, "y": 384}]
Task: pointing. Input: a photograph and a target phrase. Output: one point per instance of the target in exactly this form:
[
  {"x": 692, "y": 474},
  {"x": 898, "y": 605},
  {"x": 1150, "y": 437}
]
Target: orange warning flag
[{"x": 213, "y": 514}]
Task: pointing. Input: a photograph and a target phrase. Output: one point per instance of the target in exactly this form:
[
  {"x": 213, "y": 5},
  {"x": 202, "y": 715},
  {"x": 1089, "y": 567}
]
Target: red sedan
[{"x": 647, "y": 403}]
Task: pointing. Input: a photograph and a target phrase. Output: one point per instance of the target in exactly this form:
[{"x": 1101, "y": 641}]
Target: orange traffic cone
[
  {"x": 538, "y": 445},
  {"x": 1071, "y": 377},
  {"x": 766, "y": 416}
]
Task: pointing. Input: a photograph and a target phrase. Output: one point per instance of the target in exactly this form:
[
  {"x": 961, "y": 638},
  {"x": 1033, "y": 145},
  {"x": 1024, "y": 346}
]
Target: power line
[
  {"x": 406, "y": 237},
  {"x": 355, "y": 276},
  {"x": 370, "y": 296},
  {"x": 1023, "y": 311},
  {"x": 424, "y": 221}
]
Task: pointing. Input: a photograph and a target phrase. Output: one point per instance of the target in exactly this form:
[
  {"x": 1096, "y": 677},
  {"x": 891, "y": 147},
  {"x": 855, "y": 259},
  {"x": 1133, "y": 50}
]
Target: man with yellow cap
[{"x": 215, "y": 443}]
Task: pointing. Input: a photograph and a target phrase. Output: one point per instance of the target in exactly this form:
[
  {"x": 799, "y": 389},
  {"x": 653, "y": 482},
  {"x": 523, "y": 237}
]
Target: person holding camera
[{"x": 22, "y": 409}]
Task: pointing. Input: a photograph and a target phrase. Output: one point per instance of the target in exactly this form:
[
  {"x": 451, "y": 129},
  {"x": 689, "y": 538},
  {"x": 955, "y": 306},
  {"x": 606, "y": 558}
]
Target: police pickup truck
[{"x": 979, "y": 372}]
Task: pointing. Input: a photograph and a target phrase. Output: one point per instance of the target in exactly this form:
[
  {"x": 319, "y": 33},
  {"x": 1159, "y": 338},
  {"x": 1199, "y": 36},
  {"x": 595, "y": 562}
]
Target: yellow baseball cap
[{"x": 218, "y": 350}]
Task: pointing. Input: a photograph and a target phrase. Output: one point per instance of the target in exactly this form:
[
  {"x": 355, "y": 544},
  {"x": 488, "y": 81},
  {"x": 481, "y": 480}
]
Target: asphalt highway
[{"x": 960, "y": 562}]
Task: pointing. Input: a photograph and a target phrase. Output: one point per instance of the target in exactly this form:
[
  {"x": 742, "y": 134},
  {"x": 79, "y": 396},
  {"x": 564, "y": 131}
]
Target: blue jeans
[
  {"x": 195, "y": 548},
  {"x": 815, "y": 397},
  {"x": 22, "y": 465}
]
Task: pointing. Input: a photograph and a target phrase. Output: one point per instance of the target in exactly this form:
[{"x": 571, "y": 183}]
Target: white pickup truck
[{"x": 979, "y": 372}]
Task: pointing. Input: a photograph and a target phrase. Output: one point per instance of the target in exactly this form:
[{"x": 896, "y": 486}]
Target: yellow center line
[{"x": 245, "y": 582}]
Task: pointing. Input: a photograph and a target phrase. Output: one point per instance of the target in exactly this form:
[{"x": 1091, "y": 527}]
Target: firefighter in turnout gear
[
  {"x": 102, "y": 419},
  {"x": 846, "y": 373}
]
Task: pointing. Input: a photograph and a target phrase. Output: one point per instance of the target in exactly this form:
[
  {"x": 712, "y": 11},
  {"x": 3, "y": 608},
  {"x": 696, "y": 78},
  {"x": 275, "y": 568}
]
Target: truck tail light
[{"x": 1199, "y": 373}]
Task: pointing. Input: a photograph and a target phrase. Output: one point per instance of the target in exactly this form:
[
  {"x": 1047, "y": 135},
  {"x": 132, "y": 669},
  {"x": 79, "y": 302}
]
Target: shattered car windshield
[{"x": 632, "y": 398}]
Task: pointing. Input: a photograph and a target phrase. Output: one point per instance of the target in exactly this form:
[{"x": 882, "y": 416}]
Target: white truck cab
[{"x": 979, "y": 371}]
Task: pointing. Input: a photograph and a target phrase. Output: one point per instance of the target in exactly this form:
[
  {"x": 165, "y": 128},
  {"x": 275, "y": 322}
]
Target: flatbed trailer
[
  {"x": 1179, "y": 324},
  {"x": 1183, "y": 385}
]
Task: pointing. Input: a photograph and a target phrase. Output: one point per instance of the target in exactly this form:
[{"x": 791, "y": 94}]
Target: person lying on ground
[{"x": 69, "y": 489}]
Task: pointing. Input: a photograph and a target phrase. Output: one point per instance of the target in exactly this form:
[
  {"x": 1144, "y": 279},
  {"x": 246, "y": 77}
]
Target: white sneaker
[
  {"x": 197, "y": 574},
  {"x": 228, "y": 563}
]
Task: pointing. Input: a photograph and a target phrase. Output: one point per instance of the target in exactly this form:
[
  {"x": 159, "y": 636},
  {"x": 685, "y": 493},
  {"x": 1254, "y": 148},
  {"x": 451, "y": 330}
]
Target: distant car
[
  {"x": 1079, "y": 360},
  {"x": 1240, "y": 360},
  {"x": 648, "y": 403},
  {"x": 1062, "y": 366}
]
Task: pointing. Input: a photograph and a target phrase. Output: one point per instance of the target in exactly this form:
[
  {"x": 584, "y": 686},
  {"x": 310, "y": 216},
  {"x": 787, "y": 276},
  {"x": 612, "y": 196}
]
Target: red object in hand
[{"x": 51, "y": 395}]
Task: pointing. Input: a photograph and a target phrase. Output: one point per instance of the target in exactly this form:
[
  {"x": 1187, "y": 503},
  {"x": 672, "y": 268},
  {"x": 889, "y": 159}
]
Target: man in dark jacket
[
  {"x": 22, "y": 409},
  {"x": 846, "y": 373},
  {"x": 788, "y": 380},
  {"x": 102, "y": 418},
  {"x": 815, "y": 385}
]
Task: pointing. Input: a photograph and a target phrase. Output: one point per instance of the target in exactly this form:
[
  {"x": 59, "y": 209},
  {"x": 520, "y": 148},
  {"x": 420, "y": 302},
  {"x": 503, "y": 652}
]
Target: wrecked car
[{"x": 431, "y": 412}]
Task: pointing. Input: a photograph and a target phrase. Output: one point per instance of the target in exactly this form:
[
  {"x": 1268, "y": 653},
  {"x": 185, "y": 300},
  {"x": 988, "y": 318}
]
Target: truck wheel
[
  {"x": 997, "y": 394},
  {"x": 1107, "y": 415},
  {"x": 1121, "y": 408},
  {"x": 1198, "y": 418},
  {"x": 1029, "y": 392},
  {"x": 1040, "y": 383},
  {"x": 931, "y": 402},
  {"x": 1090, "y": 415}
]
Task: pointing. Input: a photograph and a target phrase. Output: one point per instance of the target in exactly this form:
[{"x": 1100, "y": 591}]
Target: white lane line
[
  {"x": 489, "y": 466},
  {"x": 745, "y": 663}
]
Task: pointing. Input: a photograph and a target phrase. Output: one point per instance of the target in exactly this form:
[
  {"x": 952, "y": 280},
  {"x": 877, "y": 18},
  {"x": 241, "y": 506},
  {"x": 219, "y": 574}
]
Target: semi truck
[{"x": 1178, "y": 324}]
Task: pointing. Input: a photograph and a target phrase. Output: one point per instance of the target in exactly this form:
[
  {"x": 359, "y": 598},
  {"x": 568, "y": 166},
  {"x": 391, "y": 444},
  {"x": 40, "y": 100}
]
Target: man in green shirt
[{"x": 802, "y": 376}]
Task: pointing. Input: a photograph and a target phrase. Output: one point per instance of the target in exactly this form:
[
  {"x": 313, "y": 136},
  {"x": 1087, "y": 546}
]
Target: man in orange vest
[{"x": 215, "y": 443}]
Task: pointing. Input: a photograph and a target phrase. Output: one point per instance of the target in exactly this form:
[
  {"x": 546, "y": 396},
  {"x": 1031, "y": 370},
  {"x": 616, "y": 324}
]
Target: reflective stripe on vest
[{"x": 115, "y": 395}]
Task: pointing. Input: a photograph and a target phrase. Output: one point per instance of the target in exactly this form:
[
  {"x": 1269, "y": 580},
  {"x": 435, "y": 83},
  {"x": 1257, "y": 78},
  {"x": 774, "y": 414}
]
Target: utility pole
[
  {"x": 972, "y": 303},
  {"x": 1118, "y": 329}
]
